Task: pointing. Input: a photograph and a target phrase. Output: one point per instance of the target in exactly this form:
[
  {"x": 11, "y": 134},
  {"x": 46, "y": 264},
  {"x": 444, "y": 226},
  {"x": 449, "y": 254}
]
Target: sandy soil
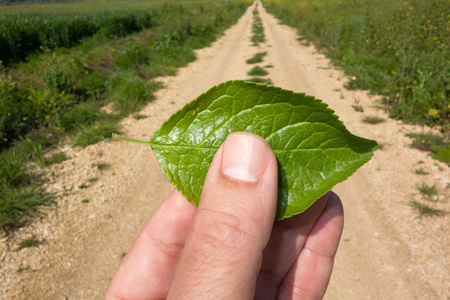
[{"x": 386, "y": 252}]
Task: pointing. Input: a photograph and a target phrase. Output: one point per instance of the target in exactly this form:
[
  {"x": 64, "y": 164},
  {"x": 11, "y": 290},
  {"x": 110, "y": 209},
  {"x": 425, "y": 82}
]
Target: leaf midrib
[{"x": 216, "y": 148}]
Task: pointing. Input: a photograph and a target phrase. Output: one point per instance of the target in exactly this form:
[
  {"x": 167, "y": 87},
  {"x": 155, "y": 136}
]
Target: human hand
[{"x": 229, "y": 247}]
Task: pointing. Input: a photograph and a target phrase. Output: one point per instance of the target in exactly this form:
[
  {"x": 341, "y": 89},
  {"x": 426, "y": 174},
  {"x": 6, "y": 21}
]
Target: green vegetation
[
  {"x": 102, "y": 166},
  {"x": 421, "y": 172},
  {"x": 21, "y": 191},
  {"x": 258, "y": 36},
  {"x": 357, "y": 107},
  {"x": 84, "y": 185},
  {"x": 257, "y": 71},
  {"x": 426, "y": 210},
  {"x": 27, "y": 243},
  {"x": 21, "y": 270},
  {"x": 427, "y": 191},
  {"x": 80, "y": 94},
  {"x": 257, "y": 58},
  {"x": 436, "y": 144},
  {"x": 373, "y": 120},
  {"x": 260, "y": 80},
  {"x": 139, "y": 117},
  {"x": 55, "y": 159},
  {"x": 21, "y": 35},
  {"x": 396, "y": 48}
]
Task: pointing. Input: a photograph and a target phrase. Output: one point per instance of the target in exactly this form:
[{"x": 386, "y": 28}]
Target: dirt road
[{"x": 385, "y": 252}]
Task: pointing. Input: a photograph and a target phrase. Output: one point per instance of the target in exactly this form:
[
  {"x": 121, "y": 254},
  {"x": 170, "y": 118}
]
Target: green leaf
[{"x": 314, "y": 149}]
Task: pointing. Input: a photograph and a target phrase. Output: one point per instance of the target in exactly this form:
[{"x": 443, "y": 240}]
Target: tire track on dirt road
[{"x": 380, "y": 257}]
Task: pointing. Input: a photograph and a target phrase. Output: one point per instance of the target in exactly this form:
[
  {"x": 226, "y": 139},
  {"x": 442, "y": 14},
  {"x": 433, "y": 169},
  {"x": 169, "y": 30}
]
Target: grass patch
[
  {"x": 21, "y": 191},
  {"x": 373, "y": 120},
  {"x": 95, "y": 133},
  {"x": 27, "y": 243},
  {"x": 129, "y": 92},
  {"x": 441, "y": 153},
  {"x": 427, "y": 191},
  {"x": 421, "y": 172},
  {"x": 257, "y": 71},
  {"x": 70, "y": 119},
  {"x": 260, "y": 80},
  {"x": 102, "y": 166},
  {"x": 424, "y": 141},
  {"x": 21, "y": 270},
  {"x": 85, "y": 200},
  {"x": 55, "y": 159},
  {"x": 257, "y": 58},
  {"x": 139, "y": 117},
  {"x": 258, "y": 36},
  {"x": 357, "y": 107},
  {"x": 439, "y": 148},
  {"x": 426, "y": 210},
  {"x": 84, "y": 185}
]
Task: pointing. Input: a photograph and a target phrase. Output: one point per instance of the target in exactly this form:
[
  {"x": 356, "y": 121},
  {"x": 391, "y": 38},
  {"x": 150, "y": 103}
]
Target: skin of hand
[{"x": 230, "y": 247}]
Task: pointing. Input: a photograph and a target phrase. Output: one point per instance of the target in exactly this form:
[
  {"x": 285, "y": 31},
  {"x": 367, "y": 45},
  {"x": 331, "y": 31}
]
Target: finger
[
  {"x": 223, "y": 251},
  {"x": 311, "y": 272},
  {"x": 147, "y": 270},
  {"x": 286, "y": 241}
]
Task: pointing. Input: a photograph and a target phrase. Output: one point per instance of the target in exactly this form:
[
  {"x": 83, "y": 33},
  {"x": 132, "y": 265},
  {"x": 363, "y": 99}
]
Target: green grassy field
[
  {"x": 89, "y": 6},
  {"x": 22, "y": 35},
  {"x": 396, "y": 48},
  {"x": 58, "y": 92}
]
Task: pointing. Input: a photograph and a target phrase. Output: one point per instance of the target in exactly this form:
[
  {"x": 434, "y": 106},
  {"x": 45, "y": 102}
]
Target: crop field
[
  {"x": 22, "y": 35},
  {"x": 396, "y": 48},
  {"x": 59, "y": 70}
]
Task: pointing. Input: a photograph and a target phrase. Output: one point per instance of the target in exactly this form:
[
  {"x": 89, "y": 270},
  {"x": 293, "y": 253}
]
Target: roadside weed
[
  {"x": 257, "y": 71},
  {"x": 257, "y": 58},
  {"x": 139, "y": 117},
  {"x": 83, "y": 186},
  {"x": 30, "y": 242},
  {"x": 426, "y": 210},
  {"x": 373, "y": 120},
  {"x": 21, "y": 270},
  {"x": 420, "y": 172},
  {"x": 260, "y": 80},
  {"x": 437, "y": 145},
  {"x": 93, "y": 134},
  {"x": 427, "y": 191},
  {"x": 102, "y": 166},
  {"x": 258, "y": 36},
  {"x": 55, "y": 159},
  {"x": 357, "y": 107}
]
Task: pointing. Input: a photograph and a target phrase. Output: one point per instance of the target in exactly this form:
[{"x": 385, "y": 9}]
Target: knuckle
[{"x": 220, "y": 229}]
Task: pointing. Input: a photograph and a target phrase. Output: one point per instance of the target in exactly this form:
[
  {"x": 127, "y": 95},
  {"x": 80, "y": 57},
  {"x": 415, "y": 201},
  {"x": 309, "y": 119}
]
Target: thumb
[{"x": 223, "y": 251}]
